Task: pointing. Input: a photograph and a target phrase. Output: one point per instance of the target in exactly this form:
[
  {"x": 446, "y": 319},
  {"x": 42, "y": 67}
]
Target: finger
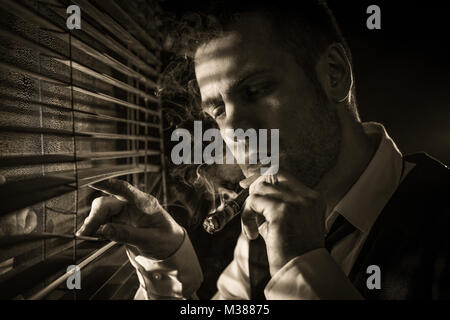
[
  {"x": 124, "y": 234},
  {"x": 256, "y": 183},
  {"x": 263, "y": 229},
  {"x": 265, "y": 206},
  {"x": 245, "y": 184},
  {"x": 250, "y": 222},
  {"x": 120, "y": 189},
  {"x": 31, "y": 222},
  {"x": 102, "y": 209},
  {"x": 21, "y": 217},
  {"x": 280, "y": 192},
  {"x": 26, "y": 220}
]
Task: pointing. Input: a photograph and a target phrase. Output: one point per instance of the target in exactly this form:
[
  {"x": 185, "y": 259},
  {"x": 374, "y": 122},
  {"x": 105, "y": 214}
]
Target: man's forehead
[
  {"x": 224, "y": 60},
  {"x": 250, "y": 27},
  {"x": 218, "y": 57},
  {"x": 250, "y": 33},
  {"x": 221, "y": 48}
]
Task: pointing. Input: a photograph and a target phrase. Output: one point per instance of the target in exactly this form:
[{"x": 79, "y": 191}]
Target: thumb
[{"x": 121, "y": 233}]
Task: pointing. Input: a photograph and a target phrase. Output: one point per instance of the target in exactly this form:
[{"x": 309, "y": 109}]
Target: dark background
[{"x": 402, "y": 71}]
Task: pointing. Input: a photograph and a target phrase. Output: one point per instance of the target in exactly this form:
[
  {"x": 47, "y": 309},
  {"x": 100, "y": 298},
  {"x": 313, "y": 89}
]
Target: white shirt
[{"x": 317, "y": 274}]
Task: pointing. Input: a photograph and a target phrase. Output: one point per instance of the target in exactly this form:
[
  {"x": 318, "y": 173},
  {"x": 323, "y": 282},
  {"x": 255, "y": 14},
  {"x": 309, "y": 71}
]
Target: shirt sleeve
[
  {"x": 177, "y": 277},
  {"x": 234, "y": 283},
  {"x": 312, "y": 276}
]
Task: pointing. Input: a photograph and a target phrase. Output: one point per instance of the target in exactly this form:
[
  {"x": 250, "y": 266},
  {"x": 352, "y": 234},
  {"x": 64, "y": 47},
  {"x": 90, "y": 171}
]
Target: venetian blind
[{"x": 76, "y": 107}]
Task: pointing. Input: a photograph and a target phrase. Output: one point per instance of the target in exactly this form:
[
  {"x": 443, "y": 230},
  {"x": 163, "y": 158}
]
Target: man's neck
[{"x": 357, "y": 149}]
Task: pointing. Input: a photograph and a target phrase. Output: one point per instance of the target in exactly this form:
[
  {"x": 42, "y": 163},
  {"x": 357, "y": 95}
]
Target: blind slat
[
  {"x": 91, "y": 93},
  {"x": 79, "y": 66},
  {"x": 90, "y": 114},
  {"x": 95, "y": 255},
  {"x": 19, "y": 194},
  {"x": 21, "y": 10},
  {"x": 24, "y": 160},
  {"x": 95, "y": 135},
  {"x": 77, "y": 107},
  {"x": 109, "y": 42},
  {"x": 112, "y": 7},
  {"x": 116, "y": 29}
]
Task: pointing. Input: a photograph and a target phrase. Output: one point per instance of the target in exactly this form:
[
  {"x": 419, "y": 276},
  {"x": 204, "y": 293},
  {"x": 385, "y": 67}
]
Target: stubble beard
[{"x": 317, "y": 147}]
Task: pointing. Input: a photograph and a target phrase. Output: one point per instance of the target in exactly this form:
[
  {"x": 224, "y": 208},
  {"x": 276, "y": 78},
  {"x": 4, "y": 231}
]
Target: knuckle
[
  {"x": 250, "y": 202},
  {"x": 97, "y": 202},
  {"x": 282, "y": 207},
  {"x": 116, "y": 185},
  {"x": 149, "y": 202},
  {"x": 250, "y": 199},
  {"x": 151, "y": 198},
  {"x": 256, "y": 184},
  {"x": 125, "y": 185}
]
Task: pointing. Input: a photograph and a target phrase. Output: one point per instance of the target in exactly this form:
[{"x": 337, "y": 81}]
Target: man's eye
[
  {"x": 256, "y": 91},
  {"x": 218, "y": 111}
]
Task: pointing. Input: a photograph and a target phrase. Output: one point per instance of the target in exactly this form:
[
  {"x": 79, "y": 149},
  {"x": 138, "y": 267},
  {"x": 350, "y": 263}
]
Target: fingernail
[
  {"x": 79, "y": 232},
  {"x": 245, "y": 184}
]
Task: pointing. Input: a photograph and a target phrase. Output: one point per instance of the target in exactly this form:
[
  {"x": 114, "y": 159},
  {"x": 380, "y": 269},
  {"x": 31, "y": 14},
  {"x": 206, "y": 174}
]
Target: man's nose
[{"x": 242, "y": 116}]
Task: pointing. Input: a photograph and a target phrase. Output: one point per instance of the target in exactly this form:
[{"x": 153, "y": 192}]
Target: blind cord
[{"x": 74, "y": 253}]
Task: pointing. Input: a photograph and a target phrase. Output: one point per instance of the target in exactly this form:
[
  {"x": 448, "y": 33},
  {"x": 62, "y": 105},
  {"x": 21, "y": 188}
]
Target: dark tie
[{"x": 259, "y": 264}]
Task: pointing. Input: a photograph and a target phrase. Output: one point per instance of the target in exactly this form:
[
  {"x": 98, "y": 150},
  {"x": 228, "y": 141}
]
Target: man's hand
[
  {"x": 22, "y": 221},
  {"x": 287, "y": 214},
  {"x": 133, "y": 217}
]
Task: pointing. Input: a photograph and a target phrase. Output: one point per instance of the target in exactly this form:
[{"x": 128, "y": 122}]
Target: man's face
[{"x": 248, "y": 80}]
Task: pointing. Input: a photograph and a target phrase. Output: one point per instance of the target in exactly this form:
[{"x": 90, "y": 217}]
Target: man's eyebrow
[
  {"x": 234, "y": 85},
  {"x": 211, "y": 102},
  {"x": 245, "y": 76}
]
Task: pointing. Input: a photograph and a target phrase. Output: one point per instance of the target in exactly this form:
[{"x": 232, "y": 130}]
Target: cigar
[{"x": 217, "y": 220}]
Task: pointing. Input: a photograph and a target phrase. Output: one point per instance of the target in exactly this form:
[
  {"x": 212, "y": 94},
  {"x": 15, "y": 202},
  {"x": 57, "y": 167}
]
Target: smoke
[{"x": 200, "y": 188}]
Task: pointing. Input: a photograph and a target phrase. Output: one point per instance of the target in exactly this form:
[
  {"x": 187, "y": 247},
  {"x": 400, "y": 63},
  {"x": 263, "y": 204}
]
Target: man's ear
[{"x": 335, "y": 73}]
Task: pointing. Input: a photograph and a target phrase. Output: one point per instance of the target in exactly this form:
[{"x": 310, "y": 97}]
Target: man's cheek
[{"x": 274, "y": 103}]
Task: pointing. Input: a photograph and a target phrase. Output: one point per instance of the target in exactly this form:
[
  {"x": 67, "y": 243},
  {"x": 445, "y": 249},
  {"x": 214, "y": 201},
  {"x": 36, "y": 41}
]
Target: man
[{"x": 344, "y": 201}]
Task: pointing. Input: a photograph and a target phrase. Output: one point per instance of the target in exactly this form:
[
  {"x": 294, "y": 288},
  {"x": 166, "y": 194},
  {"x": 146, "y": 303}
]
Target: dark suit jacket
[{"x": 410, "y": 240}]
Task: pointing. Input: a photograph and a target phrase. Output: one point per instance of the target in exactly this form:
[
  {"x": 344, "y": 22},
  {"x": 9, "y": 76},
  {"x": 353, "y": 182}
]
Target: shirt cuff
[
  {"x": 312, "y": 276},
  {"x": 176, "y": 277}
]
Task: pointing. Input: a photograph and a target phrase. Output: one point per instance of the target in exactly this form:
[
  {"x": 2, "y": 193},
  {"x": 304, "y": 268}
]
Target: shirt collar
[{"x": 365, "y": 200}]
